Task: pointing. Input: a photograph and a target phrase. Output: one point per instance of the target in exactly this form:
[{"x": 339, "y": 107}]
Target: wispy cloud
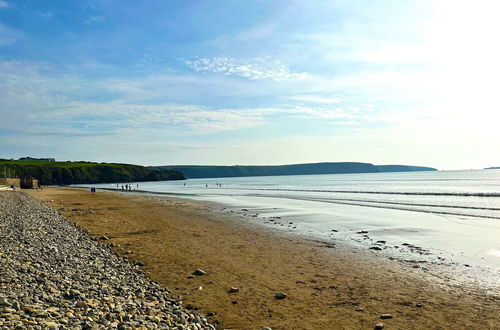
[
  {"x": 253, "y": 68},
  {"x": 4, "y": 4},
  {"x": 8, "y": 35},
  {"x": 46, "y": 14},
  {"x": 94, "y": 19},
  {"x": 317, "y": 99}
]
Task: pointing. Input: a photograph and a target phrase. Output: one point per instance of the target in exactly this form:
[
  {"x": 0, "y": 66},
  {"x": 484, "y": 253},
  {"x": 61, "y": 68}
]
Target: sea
[{"x": 449, "y": 216}]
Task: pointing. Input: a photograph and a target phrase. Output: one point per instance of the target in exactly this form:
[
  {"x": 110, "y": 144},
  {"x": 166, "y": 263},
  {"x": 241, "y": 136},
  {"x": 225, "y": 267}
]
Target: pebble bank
[{"x": 54, "y": 275}]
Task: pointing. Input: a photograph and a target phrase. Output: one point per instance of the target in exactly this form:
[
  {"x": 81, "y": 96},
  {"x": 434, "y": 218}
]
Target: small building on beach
[{"x": 29, "y": 183}]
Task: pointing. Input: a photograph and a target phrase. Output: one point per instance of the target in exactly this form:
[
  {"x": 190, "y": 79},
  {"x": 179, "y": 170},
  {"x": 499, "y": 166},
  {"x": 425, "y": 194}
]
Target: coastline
[{"x": 328, "y": 285}]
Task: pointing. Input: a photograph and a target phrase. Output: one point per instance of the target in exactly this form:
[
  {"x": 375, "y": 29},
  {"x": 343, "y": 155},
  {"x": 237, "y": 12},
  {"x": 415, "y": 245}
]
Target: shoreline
[{"x": 326, "y": 283}]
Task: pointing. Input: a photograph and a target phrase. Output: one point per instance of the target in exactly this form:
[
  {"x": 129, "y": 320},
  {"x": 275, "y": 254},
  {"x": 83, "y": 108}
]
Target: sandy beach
[{"x": 328, "y": 286}]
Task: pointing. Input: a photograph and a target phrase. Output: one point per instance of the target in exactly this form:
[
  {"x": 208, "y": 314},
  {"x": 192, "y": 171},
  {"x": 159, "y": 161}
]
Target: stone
[
  {"x": 199, "y": 272},
  {"x": 280, "y": 295},
  {"x": 377, "y": 248},
  {"x": 386, "y": 316},
  {"x": 379, "y": 326},
  {"x": 233, "y": 290}
]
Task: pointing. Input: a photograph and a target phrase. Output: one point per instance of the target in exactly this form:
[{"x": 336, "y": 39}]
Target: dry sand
[{"x": 327, "y": 287}]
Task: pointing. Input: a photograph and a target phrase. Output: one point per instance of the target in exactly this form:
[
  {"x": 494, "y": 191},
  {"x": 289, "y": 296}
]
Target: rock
[
  {"x": 377, "y": 248},
  {"x": 379, "y": 326},
  {"x": 386, "y": 316},
  {"x": 266, "y": 328},
  {"x": 359, "y": 310},
  {"x": 199, "y": 272},
  {"x": 280, "y": 295},
  {"x": 362, "y": 232},
  {"x": 233, "y": 290},
  {"x": 81, "y": 304}
]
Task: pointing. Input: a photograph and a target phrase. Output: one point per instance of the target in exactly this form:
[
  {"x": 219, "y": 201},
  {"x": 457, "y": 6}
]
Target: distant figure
[
  {"x": 117, "y": 186},
  {"x": 122, "y": 188},
  {"x": 137, "y": 187},
  {"x": 184, "y": 184},
  {"x": 206, "y": 186}
]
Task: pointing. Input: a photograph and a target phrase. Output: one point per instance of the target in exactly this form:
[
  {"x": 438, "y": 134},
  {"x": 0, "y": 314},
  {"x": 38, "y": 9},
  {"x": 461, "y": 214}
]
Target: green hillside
[
  {"x": 84, "y": 172},
  {"x": 207, "y": 171}
]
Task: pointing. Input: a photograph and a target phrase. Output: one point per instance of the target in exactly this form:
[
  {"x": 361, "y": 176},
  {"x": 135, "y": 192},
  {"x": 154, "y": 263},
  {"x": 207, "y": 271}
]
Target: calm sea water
[{"x": 453, "y": 213}]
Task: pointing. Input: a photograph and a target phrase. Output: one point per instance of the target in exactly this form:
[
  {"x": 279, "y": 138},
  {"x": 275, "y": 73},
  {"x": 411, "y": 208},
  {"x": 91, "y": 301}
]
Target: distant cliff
[
  {"x": 403, "y": 168},
  {"x": 51, "y": 172},
  {"x": 207, "y": 171}
]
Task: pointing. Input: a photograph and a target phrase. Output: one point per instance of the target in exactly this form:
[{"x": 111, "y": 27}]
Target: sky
[{"x": 251, "y": 82}]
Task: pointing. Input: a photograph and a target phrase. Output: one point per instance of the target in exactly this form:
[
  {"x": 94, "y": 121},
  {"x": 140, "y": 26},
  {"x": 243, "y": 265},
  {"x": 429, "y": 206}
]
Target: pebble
[
  {"x": 54, "y": 275},
  {"x": 233, "y": 290},
  {"x": 379, "y": 326},
  {"x": 199, "y": 272},
  {"x": 386, "y": 316},
  {"x": 280, "y": 295}
]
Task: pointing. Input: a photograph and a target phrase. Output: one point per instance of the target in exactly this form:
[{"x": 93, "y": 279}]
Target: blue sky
[{"x": 251, "y": 82}]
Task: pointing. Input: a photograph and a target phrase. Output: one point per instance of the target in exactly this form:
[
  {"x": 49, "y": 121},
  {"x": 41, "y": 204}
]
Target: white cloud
[
  {"x": 46, "y": 14},
  {"x": 8, "y": 35},
  {"x": 254, "y": 68},
  {"x": 94, "y": 19},
  {"x": 4, "y": 4},
  {"x": 317, "y": 99}
]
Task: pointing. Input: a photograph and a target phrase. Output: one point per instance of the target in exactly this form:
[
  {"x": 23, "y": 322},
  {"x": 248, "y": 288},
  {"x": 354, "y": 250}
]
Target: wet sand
[{"x": 327, "y": 286}]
